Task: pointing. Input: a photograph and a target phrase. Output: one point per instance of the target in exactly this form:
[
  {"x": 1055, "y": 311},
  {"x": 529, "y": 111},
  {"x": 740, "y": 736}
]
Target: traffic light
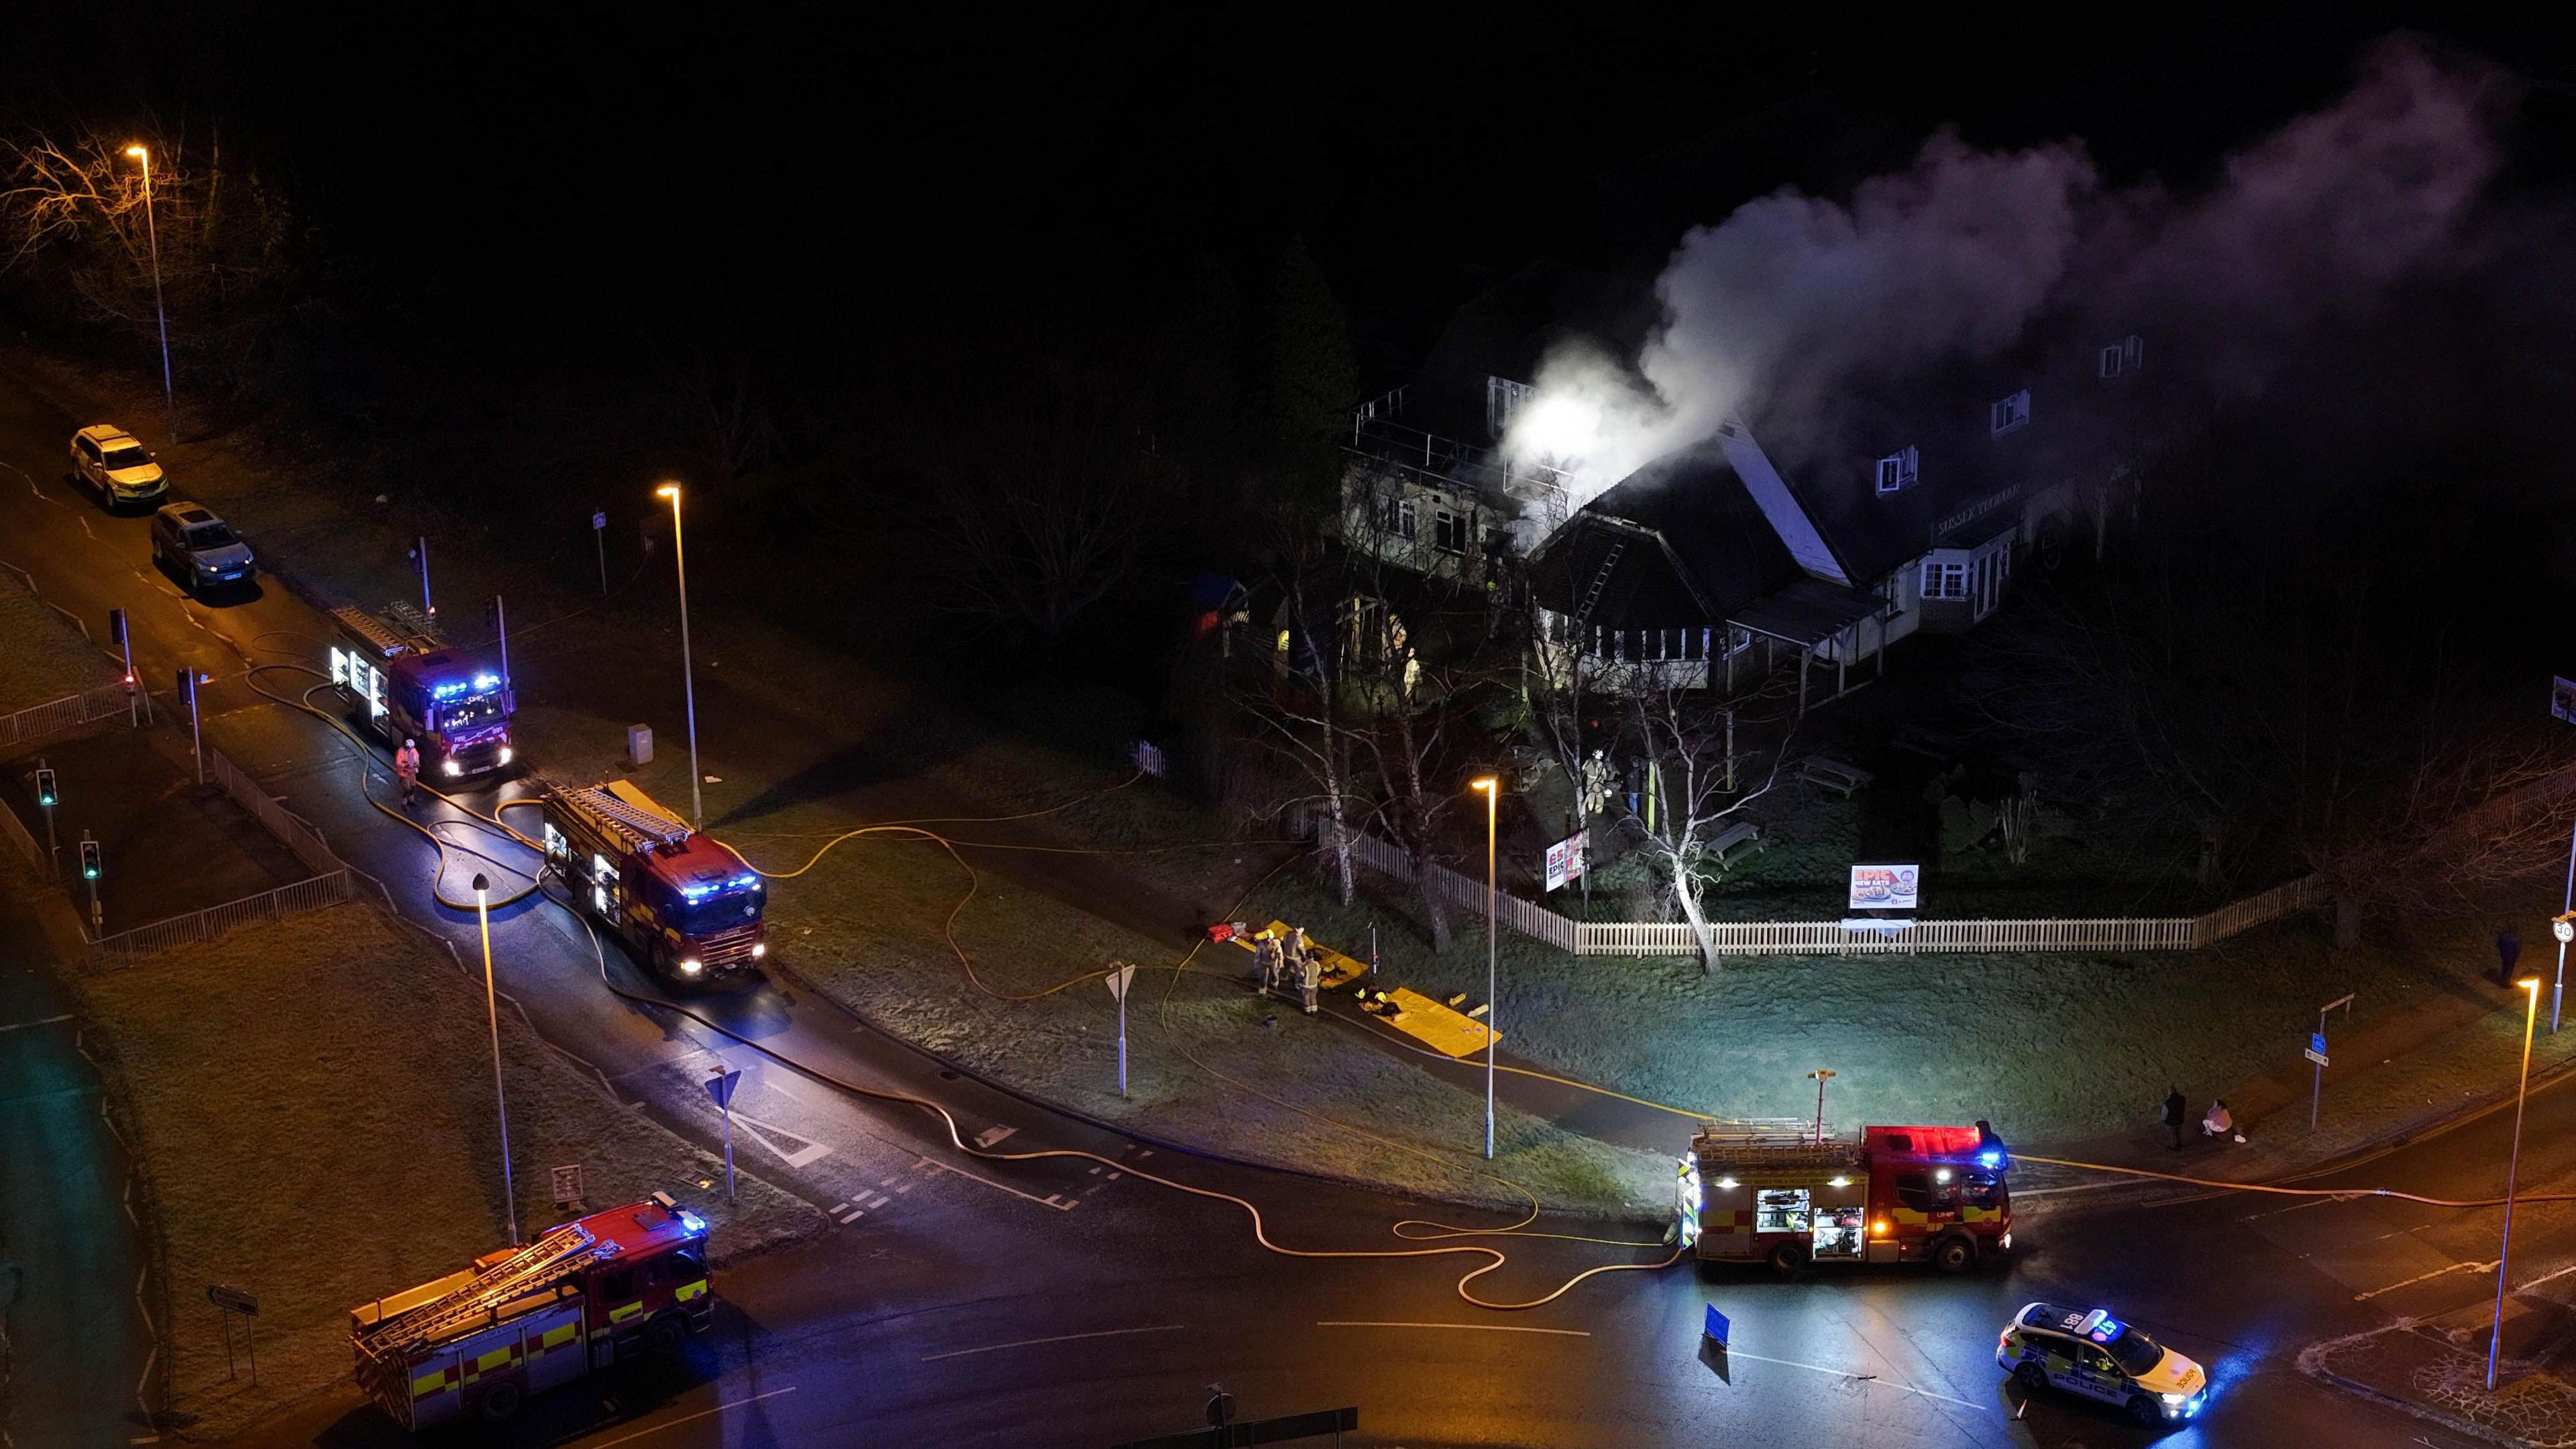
[
  {"x": 46, "y": 794},
  {"x": 116, "y": 626},
  {"x": 91, "y": 860}
]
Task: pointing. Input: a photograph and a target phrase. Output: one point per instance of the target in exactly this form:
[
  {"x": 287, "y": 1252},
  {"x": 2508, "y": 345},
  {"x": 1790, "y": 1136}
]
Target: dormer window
[
  {"x": 2010, "y": 414},
  {"x": 1897, "y": 471},
  {"x": 2124, "y": 358}
]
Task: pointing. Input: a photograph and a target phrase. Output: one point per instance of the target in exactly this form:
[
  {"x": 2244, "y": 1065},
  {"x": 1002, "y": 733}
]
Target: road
[{"x": 1078, "y": 1302}]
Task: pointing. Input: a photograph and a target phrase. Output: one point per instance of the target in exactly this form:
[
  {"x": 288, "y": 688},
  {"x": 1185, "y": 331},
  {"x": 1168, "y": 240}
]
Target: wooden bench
[
  {"x": 1833, "y": 775},
  {"x": 1742, "y": 836}
]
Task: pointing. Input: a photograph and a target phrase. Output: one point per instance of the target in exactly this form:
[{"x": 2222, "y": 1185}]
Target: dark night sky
[{"x": 810, "y": 163}]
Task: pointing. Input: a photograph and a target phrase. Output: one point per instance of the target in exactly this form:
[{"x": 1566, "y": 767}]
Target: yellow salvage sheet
[
  {"x": 1453, "y": 1033},
  {"x": 1339, "y": 970}
]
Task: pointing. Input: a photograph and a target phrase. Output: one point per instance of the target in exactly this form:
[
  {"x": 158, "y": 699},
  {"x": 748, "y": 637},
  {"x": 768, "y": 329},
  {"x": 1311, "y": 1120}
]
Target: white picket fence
[{"x": 1833, "y": 938}]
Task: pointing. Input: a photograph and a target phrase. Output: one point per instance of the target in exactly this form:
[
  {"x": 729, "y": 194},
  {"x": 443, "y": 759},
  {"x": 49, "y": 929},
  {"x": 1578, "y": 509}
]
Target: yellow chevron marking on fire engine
[
  {"x": 624, "y": 1312},
  {"x": 687, "y": 1291},
  {"x": 555, "y": 1337},
  {"x": 434, "y": 1382}
]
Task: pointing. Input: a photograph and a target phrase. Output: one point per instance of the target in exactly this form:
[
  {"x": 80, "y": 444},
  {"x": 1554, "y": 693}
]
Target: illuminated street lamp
[
  {"x": 2513, "y": 1167},
  {"x": 152, "y": 229},
  {"x": 492, "y": 1009},
  {"x": 1493, "y": 789},
  {"x": 688, "y": 676},
  {"x": 1820, "y": 1076}
]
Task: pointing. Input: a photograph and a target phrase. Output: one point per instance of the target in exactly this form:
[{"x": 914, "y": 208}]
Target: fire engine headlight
[
  {"x": 692, "y": 966},
  {"x": 453, "y": 768},
  {"x": 506, "y": 755},
  {"x": 2007, "y": 1242},
  {"x": 759, "y": 949}
]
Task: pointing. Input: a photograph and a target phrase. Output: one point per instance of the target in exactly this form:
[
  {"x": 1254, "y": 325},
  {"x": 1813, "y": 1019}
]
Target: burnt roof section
[
  {"x": 1808, "y": 611},
  {"x": 1717, "y": 542}
]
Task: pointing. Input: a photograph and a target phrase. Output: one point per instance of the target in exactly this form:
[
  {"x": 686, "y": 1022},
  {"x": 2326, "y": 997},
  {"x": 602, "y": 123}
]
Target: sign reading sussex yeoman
[
  {"x": 1567, "y": 858},
  {"x": 1885, "y": 887}
]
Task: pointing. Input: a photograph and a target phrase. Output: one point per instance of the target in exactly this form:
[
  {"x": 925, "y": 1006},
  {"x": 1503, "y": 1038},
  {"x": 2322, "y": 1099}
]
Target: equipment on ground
[
  {"x": 521, "y": 1320},
  {"x": 402, "y": 680},
  {"x": 686, "y": 905},
  {"x": 1896, "y": 1195}
]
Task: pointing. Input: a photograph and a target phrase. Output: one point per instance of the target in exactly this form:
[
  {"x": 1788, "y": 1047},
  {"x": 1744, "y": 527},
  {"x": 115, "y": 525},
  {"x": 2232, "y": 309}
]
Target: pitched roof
[{"x": 1712, "y": 551}]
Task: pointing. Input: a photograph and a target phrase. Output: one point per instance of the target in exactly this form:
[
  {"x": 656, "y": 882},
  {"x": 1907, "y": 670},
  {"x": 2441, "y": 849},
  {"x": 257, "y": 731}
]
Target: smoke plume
[{"x": 1968, "y": 254}]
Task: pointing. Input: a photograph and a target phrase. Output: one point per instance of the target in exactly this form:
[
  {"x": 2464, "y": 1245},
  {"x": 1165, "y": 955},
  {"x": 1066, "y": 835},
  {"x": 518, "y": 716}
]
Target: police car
[{"x": 2091, "y": 1353}]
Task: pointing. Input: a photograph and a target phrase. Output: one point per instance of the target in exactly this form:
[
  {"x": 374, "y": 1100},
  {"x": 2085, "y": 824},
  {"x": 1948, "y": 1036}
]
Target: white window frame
[
  {"x": 2009, "y": 414},
  {"x": 2124, "y": 357},
  {"x": 1449, "y": 531},
  {"x": 1408, "y": 524},
  {"x": 1944, "y": 581},
  {"x": 1899, "y": 470}
]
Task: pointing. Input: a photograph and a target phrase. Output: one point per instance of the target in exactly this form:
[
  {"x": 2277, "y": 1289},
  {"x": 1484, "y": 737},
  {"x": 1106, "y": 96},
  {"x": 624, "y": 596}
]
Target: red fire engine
[
  {"x": 584, "y": 1295},
  {"x": 688, "y": 907},
  {"x": 403, "y": 682},
  {"x": 1897, "y": 1195}
]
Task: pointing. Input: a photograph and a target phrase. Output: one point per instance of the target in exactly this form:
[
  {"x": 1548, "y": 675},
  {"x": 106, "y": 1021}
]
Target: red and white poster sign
[
  {"x": 1885, "y": 887},
  {"x": 1567, "y": 858}
]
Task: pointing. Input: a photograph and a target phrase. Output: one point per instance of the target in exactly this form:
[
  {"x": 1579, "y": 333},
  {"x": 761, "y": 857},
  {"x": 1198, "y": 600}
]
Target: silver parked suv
[{"x": 199, "y": 548}]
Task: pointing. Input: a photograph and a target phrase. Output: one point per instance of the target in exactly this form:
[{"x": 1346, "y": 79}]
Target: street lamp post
[
  {"x": 152, "y": 229},
  {"x": 2513, "y": 1168},
  {"x": 1820, "y": 1076},
  {"x": 492, "y": 1009},
  {"x": 1493, "y": 789},
  {"x": 688, "y": 676}
]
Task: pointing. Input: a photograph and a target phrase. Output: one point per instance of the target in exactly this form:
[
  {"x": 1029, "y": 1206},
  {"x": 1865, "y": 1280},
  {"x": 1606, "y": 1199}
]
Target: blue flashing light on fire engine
[
  {"x": 449, "y": 690},
  {"x": 1990, "y": 1159},
  {"x": 691, "y": 1223},
  {"x": 487, "y": 680},
  {"x": 743, "y": 880}
]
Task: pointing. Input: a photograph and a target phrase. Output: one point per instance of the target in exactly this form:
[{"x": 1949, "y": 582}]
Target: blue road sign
[
  {"x": 2317, "y": 1041},
  {"x": 720, "y": 1086},
  {"x": 1716, "y": 1326}
]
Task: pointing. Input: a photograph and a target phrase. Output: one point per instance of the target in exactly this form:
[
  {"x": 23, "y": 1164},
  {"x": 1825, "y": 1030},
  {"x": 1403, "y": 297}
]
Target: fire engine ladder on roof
[
  {"x": 645, "y": 827},
  {"x": 385, "y": 639},
  {"x": 522, "y": 1273}
]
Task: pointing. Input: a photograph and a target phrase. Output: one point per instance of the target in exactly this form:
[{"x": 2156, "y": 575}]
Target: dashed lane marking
[
  {"x": 685, "y": 1418},
  {"x": 1047, "y": 1201},
  {"x": 1059, "y": 1338},
  {"x": 2420, "y": 1277},
  {"x": 1899, "y": 1386},
  {"x": 854, "y": 1216},
  {"x": 1477, "y": 1327}
]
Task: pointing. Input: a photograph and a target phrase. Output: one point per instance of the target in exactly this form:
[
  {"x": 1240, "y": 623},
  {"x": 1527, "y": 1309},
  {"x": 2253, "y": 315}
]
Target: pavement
[
  {"x": 1090, "y": 1299},
  {"x": 76, "y": 1306}
]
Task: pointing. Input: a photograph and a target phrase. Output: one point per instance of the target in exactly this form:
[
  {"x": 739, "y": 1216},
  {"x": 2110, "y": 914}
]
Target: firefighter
[
  {"x": 407, "y": 769},
  {"x": 1293, "y": 957},
  {"x": 1265, "y": 959},
  {"x": 1596, "y": 786},
  {"x": 1310, "y": 977}
]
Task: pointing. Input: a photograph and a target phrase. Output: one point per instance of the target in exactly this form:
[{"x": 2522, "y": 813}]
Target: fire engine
[
  {"x": 686, "y": 905},
  {"x": 1896, "y": 1195},
  {"x": 584, "y": 1295},
  {"x": 403, "y": 682}
]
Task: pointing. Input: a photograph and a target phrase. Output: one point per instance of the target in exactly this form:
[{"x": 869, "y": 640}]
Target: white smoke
[{"x": 1961, "y": 255}]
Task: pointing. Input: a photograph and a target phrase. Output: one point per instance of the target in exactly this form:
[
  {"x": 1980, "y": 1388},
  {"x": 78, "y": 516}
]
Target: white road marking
[
  {"x": 1904, "y": 1388},
  {"x": 39, "y": 1021},
  {"x": 702, "y": 1413},
  {"x": 2420, "y": 1277},
  {"x": 1479, "y": 1327},
  {"x": 2311, "y": 1202},
  {"x": 1059, "y": 1338},
  {"x": 854, "y": 1217},
  {"x": 811, "y": 1152},
  {"x": 991, "y": 1135},
  {"x": 880, "y": 1199},
  {"x": 1000, "y": 1187}
]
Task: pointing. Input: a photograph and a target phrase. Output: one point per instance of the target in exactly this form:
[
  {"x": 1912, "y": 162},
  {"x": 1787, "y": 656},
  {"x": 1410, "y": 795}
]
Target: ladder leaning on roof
[{"x": 523, "y": 1272}]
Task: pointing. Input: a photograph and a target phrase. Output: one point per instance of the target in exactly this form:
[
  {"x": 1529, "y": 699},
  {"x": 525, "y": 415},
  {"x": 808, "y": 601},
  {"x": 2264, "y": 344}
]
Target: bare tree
[
  {"x": 2261, "y": 667},
  {"x": 1696, "y": 789},
  {"x": 72, "y": 209},
  {"x": 1296, "y": 710},
  {"x": 716, "y": 402}
]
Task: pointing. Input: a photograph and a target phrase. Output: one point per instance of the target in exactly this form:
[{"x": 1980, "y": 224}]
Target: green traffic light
[{"x": 91, "y": 873}]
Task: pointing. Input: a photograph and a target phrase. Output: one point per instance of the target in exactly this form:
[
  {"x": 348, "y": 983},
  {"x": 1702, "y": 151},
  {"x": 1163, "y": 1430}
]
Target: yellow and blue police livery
[{"x": 2088, "y": 1352}]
